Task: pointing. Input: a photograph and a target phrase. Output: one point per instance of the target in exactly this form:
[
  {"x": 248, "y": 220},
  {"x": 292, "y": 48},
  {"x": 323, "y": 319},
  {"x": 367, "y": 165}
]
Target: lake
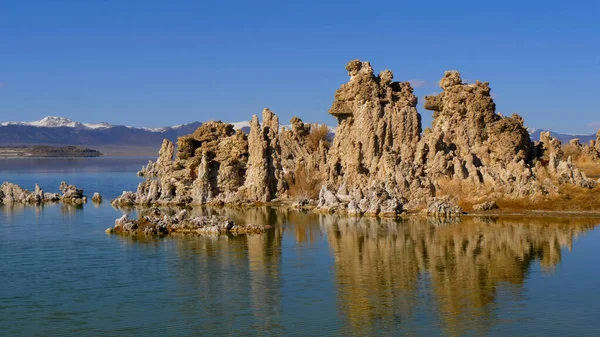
[{"x": 311, "y": 275}]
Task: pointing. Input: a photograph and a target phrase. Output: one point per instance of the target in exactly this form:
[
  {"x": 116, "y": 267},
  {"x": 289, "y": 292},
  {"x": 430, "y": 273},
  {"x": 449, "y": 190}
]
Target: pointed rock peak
[
  {"x": 386, "y": 77},
  {"x": 270, "y": 119},
  {"x": 254, "y": 123},
  {"x": 356, "y": 67},
  {"x": 451, "y": 78},
  {"x": 299, "y": 128}
]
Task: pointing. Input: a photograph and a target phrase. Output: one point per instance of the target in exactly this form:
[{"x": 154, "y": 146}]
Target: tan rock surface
[
  {"x": 14, "y": 194},
  {"x": 264, "y": 177},
  {"x": 379, "y": 162}
]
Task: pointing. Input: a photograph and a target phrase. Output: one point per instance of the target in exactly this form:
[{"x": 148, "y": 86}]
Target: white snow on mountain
[
  {"x": 57, "y": 122},
  {"x": 531, "y": 130},
  {"x": 101, "y": 125},
  {"x": 240, "y": 125}
]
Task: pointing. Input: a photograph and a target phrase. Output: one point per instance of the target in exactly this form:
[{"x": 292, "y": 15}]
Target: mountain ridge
[{"x": 55, "y": 130}]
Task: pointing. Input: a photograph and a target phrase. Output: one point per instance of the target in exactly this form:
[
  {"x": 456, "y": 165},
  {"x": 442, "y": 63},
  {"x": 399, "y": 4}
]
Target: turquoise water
[{"x": 312, "y": 275}]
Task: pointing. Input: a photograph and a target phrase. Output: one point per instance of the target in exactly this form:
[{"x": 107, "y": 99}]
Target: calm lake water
[{"x": 312, "y": 275}]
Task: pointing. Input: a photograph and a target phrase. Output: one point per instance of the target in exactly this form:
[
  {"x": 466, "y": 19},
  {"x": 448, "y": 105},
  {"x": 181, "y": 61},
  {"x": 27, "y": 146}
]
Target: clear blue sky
[{"x": 154, "y": 63}]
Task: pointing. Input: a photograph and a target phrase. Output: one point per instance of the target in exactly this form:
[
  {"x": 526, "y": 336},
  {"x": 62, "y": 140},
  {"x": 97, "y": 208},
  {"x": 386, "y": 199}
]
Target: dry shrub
[
  {"x": 302, "y": 184},
  {"x": 318, "y": 132},
  {"x": 587, "y": 165},
  {"x": 466, "y": 193},
  {"x": 572, "y": 151}
]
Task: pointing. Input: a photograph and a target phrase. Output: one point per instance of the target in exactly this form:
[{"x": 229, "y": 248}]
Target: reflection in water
[
  {"x": 393, "y": 276},
  {"x": 381, "y": 265},
  {"x": 244, "y": 273},
  {"x": 11, "y": 210}
]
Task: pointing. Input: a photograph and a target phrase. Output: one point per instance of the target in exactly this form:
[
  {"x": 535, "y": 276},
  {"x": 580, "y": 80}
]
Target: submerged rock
[
  {"x": 154, "y": 222},
  {"x": 97, "y": 198}
]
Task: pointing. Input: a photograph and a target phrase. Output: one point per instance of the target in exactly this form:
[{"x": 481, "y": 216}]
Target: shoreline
[{"x": 409, "y": 214}]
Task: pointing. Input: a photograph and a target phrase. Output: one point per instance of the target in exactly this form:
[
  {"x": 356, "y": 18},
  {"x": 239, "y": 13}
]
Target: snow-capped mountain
[
  {"x": 57, "y": 122},
  {"x": 563, "y": 137},
  {"x": 65, "y": 131},
  {"x": 54, "y": 130},
  {"x": 64, "y": 122}
]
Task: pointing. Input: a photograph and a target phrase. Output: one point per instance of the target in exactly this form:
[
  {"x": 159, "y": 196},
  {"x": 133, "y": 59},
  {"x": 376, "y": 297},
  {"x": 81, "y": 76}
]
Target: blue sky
[{"x": 154, "y": 63}]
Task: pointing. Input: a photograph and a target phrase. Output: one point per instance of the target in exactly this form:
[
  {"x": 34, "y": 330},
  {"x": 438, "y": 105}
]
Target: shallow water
[{"x": 312, "y": 275}]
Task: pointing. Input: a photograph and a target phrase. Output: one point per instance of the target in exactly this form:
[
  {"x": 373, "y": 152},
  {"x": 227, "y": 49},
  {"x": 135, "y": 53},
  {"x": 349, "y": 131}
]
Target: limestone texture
[
  {"x": 380, "y": 161},
  {"x": 97, "y": 198},
  {"x": 591, "y": 150},
  {"x": 14, "y": 194},
  {"x": 264, "y": 176},
  {"x": 156, "y": 222}
]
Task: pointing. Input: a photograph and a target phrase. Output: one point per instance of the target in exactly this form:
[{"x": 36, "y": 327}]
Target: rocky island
[
  {"x": 158, "y": 222},
  {"x": 380, "y": 162},
  {"x": 40, "y": 151},
  {"x": 11, "y": 193}
]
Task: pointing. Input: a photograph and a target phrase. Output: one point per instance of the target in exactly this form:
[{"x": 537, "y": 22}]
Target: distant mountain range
[
  {"x": 64, "y": 131},
  {"x": 563, "y": 137}
]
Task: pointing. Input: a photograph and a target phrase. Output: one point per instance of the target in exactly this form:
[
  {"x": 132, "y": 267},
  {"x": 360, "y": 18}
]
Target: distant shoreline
[
  {"x": 8, "y": 151},
  {"x": 45, "y": 151}
]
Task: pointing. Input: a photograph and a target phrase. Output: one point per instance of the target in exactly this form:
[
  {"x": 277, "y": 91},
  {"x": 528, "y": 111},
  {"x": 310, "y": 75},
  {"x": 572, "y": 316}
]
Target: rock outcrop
[
  {"x": 12, "y": 193},
  {"x": 442, "y": 207},
  {"x": 209, "y": 167},
  {"x": 72, "y": 194},
  {"x": 380, "y": 161},
  {"x": 376, "y": 140},
  {"x": 165, "y": 157},
  {"x": 155, "y": 222},
  {"x": 264, "y": 177},
  {"x": 470, "y": 151},
  {"x": 591, "y": 151},
  {"x": 485, "y": 206},
  {"x": 556, "y": 165},
  {"x": 215, "y": 165},
  {"x": 97, "y": 198}
]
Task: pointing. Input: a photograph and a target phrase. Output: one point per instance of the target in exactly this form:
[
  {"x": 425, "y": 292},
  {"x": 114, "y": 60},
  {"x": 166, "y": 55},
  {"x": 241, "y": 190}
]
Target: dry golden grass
[
  {"x": 572, "y": 151},
  {"x": 456, "y": 190},
  {"x": 570, "y": 199},
  {"x": 318, "y": 132},
  {"x": 302, "y": 184},
  {"x": 590, "y": 167}
]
